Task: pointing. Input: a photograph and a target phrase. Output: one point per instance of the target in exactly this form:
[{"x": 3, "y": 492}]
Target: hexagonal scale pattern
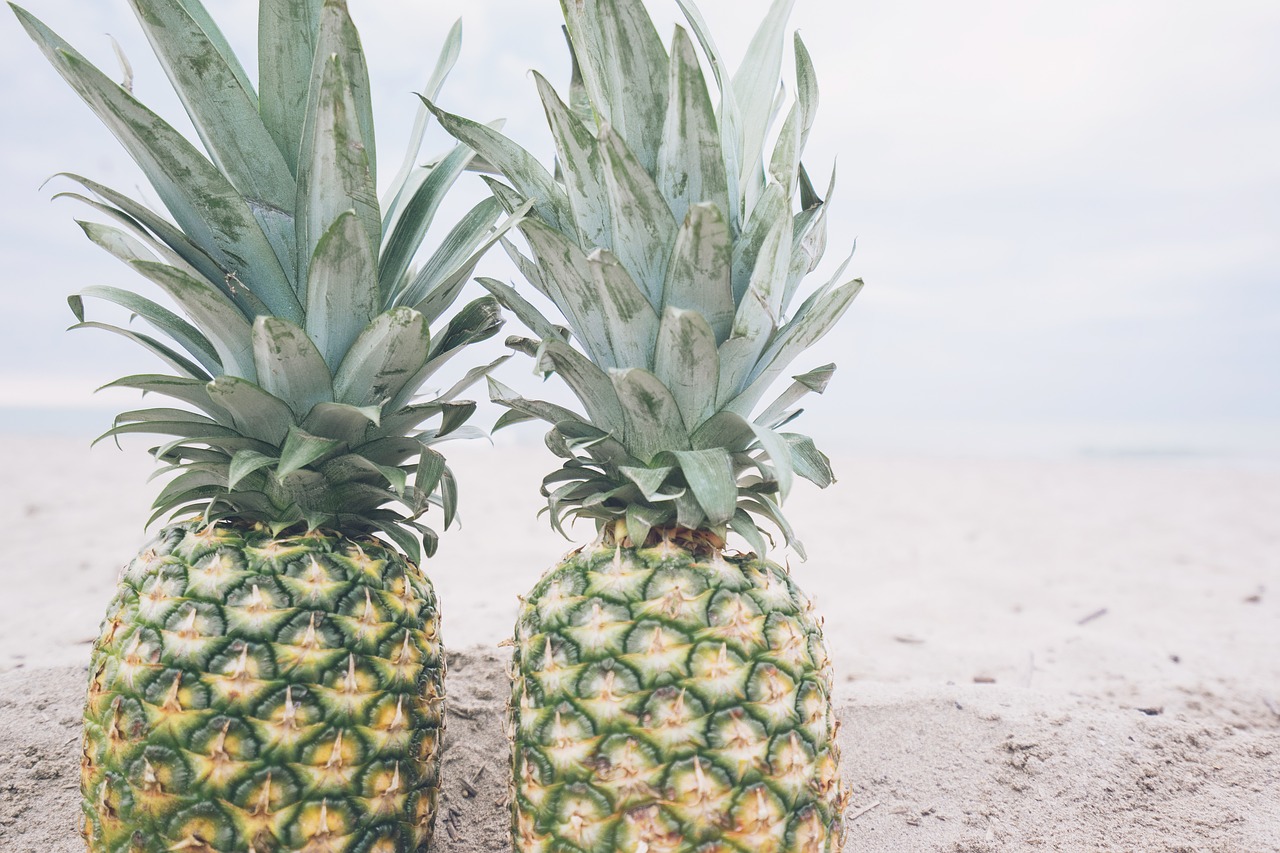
[
  {"x": 262, "y": 694},
  {"x": 672, "y": 702}
]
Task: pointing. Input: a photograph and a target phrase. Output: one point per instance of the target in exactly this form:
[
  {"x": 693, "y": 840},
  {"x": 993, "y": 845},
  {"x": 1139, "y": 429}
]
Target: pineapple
[
  {"x": 269, "y": 675},
  {"x": 670, "y": 695}
]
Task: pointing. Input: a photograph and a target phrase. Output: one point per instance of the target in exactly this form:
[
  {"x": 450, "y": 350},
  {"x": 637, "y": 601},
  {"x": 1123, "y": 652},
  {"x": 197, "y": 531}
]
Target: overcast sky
[{"x": 1066, "y": 212}]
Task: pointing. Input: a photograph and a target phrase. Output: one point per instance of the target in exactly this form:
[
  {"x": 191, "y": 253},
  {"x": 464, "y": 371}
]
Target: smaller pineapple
[
  {"x": 669, "y": 696},
  {"x": 269, "y": 676}
]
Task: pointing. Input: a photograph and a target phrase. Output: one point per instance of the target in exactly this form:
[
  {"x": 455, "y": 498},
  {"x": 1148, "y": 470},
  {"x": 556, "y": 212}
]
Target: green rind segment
[
  {"x": 663, "y": 199},
  {"x": 229, "y": 658},
  {"x": 675, "y": 701}
]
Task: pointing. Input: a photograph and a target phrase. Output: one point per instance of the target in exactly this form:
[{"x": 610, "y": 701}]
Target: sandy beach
[{"x": 1031, "y": 654}]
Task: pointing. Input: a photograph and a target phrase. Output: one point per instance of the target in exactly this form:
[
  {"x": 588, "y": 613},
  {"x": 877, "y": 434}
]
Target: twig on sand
[
  {"x": 1097, "y": 614},
  {"x": 469, "y": 788},
  {"x": 861, "y": 813},
  {"x": 451, "y": 818}
]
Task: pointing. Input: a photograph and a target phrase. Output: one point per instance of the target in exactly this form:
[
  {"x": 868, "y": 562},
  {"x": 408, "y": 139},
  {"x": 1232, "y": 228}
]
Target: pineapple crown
[
  {"x": 671, "y": 245},
  {"x": 306, "y": 335}
]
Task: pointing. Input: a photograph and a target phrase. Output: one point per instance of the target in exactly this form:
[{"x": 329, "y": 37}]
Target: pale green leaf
[
  {"x": 624, "y": 68},
  {"x": 411, "y": 225},
  {"x": 244, "y": 463},
  {"x": 815, "y": 381},
  {"x": 338, "y": 37},
  {"x": 809, "y": 243},
  {"x": 220, "y": 319},
  {"x": 166, "y": 353},
  {"x": 431, "y": 468},
  {"x": 565, "y": 271},
  {"x": 806, "y": 90},
  {"x": 724, "y": 429},
  {"x": 772, "y": 209},
  {"x": 793, "y": 339},
  {"x": 615, "y": 311},
  {"x": 437, "y": 284},
  {"x": 287, "y": 34},
  {"x": 257, "y": 414},
  {"x": 785, "y": 162},
  {"x": 136, "y": 230},
  {"x": 221, "y": 105},
  {"x": 445, "y": 62},
  {"x": 648, "y": 480},
  {"x": 383, "y": 359},
  {"x": 778, "y": 453},
  {"x": 709, "y": 474},
  {"x": 643, "y": 228},
  {"x": 745, "y": 526},
  {"x": 699, "y": 275},
  {"x": 195, "y": 256},
  {"x": 549, "y": 412},
  {"x": 690, "y": 160},
  {"x": 192, "y": 391},
  {"x": 753, "y": 327},
  {"x": 689, "y": 510},
  {"x": 302, "y": 449},
  {"x": 730, "y": 119},
  {"x": 809, "y": 462},
  {"x": 163, "y": 320},
  {"x": 522, "y": 308},
  {"x": 446, "y": 272},
  {"x": 289, "y": 365},
  {"x": 582, "y": 167},
  {"x": 199, "y": 14},
  {"x": 341, "y": 422},
  {"x": 642, "y": 519},
  {"x": 520, "y": 167},
  {"x": 686, "y": 362},
  {"x": 650, "y": 413},
  {"x": 402, "y": 539},
  {"x": 335, "y": 167},
  {"x": 342, "y": 289},
  {"x": 589, "y": 383},
  {"x": 756, "y": 84}
]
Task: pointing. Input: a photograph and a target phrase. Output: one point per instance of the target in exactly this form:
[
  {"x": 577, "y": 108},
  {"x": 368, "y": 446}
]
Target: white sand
[{"x": 983, "y": 708}]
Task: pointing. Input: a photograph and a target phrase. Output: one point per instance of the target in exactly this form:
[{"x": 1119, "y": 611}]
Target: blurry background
[{"x": 1067, "y": 214}]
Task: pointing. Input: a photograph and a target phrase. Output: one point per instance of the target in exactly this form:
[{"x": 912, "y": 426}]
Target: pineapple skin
[
  {"x": 667, "y": 699},
  {"x": 259, "y": 693}
]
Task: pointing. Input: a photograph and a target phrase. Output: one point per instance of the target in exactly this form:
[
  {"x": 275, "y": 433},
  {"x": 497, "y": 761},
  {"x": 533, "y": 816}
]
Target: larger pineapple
[
  {"x": 668, "y": 695},
  {"x": 269, "y": 675}
]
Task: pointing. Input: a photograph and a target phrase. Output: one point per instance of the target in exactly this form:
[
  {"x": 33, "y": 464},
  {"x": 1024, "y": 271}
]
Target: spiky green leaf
[
  {"x": 289, "y": 365},
  {"x": 624, "y": 68},
  {"x": 643, "y": 227},
  {"x": 342, "y": 291},
  {"x": 384, "y": 357},
  {"x": 257, "y": 413},
  {"x": 699, "y": 275},
  {"x": 686, "y": 362},
  {"x": 287, "y": 34},
  {"x": 650, "y": 414},
  {"x": 690, "y": 161}
]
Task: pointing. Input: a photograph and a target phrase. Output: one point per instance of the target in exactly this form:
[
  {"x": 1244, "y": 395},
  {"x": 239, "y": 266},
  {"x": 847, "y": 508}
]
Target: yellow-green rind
[
  {"x": 260, "y": 693},
  {"x": 669, "y": 701}
]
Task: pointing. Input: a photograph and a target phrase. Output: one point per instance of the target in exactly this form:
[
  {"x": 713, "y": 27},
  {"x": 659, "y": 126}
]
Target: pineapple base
[
  {"x": 263, "y": 694},
  {"x": 671, "y": 699}
]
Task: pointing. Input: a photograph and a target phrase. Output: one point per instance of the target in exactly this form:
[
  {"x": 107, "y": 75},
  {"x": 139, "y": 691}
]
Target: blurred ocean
[{"x": 1244, "y": 441}]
